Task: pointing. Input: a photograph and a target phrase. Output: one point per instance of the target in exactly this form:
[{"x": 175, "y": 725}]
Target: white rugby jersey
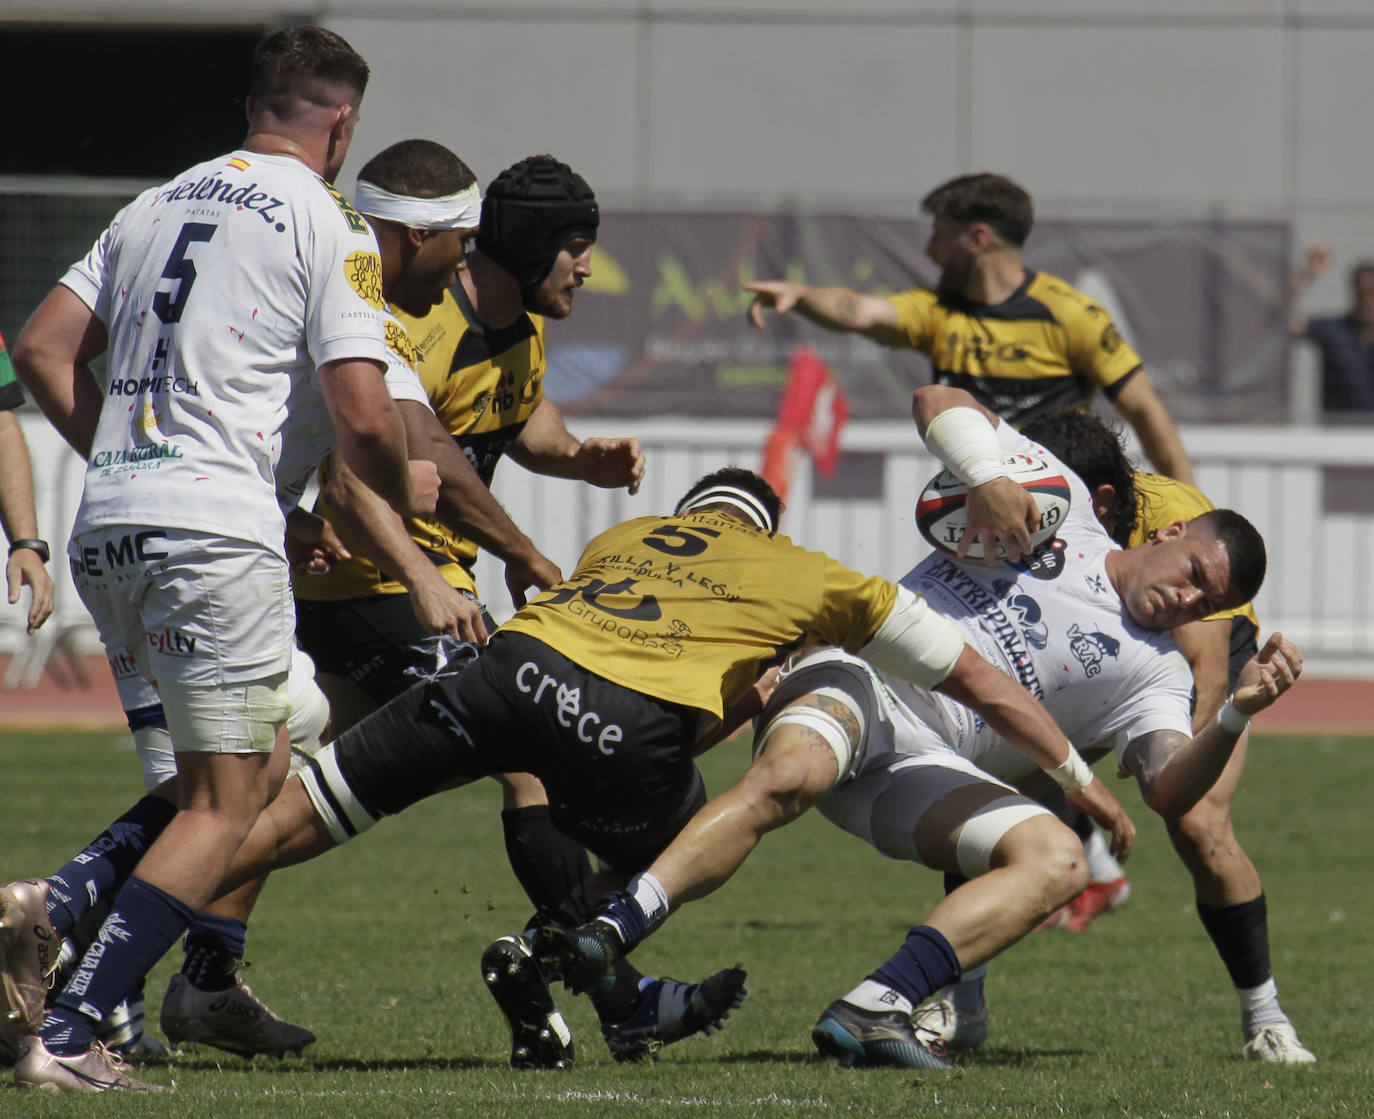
[
  {"x": 308, "y": 434},
  {"x": 1056, "y": 625},
  {"x": 217, "y": 289}
]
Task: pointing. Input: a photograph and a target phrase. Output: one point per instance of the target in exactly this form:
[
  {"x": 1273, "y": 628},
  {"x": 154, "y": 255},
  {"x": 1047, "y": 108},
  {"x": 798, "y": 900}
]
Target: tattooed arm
[{"x": 832, "y": 308}]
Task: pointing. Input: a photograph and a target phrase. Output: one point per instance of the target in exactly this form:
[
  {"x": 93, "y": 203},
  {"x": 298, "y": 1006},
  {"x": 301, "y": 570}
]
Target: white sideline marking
[
  {"x": 596, "y": 1096},
  {"x": 607, "y": 1096}
]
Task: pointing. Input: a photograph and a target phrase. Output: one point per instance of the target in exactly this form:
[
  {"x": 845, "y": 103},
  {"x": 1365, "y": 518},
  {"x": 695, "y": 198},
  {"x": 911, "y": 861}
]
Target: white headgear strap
[
  {"x": 453, "y": 211},
  {"x": 740, "y": 499}
]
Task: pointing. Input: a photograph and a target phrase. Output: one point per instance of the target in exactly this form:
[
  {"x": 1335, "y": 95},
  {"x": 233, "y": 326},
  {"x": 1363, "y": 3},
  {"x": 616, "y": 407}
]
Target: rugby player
[
  {"x": 213, "y": 294},
  {"x": 1134, "y": 507},
  {"x": 1022, "y": 342},
  {"x": 1081, "y": 624}
]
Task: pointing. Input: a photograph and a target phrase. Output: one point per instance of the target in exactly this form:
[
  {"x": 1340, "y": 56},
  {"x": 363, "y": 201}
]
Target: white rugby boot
[
  {"x": 234, "y": 1020},
  {"x": 959, "y": 1031},
  {"x": 1277, "y": 1044},
  {"x": 95, "y": 1070},
  {"x": 28, "y": 959}
]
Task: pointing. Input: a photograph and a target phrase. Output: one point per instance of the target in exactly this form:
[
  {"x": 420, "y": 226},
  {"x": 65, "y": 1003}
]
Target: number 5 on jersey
[{"x": 181, "y": 270}]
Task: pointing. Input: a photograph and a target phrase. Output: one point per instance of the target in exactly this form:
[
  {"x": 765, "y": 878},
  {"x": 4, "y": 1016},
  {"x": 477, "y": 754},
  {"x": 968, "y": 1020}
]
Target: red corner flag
[{"x": 814, "y": 408}]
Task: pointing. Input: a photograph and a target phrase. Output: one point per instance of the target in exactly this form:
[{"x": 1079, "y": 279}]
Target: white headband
[
  {"x": 453, "y": 211},
  {"x": 740, "y": 499}
]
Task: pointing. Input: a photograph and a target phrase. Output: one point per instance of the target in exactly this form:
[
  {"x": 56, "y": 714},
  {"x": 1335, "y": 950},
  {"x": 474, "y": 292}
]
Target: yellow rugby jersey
[
  {"x": 484, "y": 384},
  {"x": 1162, "y": 501},
  {"x": 690, "y": 609},
  {"x": 1047, "y": 346}
]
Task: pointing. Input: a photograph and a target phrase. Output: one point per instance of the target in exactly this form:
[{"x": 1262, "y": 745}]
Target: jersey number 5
[{"x": 167, "y": 306}]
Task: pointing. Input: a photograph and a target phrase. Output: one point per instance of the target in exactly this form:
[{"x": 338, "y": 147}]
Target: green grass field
[{"x": 376, "y": 947}]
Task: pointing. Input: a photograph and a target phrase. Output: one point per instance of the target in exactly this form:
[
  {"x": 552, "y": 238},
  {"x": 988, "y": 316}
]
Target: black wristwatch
[{"x": 39, "y": 546}]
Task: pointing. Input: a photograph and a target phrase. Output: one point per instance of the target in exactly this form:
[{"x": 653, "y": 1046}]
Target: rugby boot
[
  {"x": 670, "y": 1010},
  {"x": 957, "y": 1029},
  {"x": 580, "y": 957},
  {"x": 872, "y": 1038},
  {"x": 233, "y": 1019},
  {"x": 539, "y": 1037},
  {"x": 1277, "y": 1044},
  {"x": 95, "y": 1070},
  {"x": 1097, "y": 898},
  {"x": 29, "y": 947}
]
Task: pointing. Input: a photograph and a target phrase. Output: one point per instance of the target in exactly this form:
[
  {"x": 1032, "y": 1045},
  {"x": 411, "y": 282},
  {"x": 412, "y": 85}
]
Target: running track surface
[{"x": 82, "y": 694}]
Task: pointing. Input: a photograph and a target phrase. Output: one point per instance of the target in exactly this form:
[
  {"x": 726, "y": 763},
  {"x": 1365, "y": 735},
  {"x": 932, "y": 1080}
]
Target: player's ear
[
  {"x": 1172, "y": 532},
  {"x": 343, "y": 113},
  {"x": 1104, "y": 500}
]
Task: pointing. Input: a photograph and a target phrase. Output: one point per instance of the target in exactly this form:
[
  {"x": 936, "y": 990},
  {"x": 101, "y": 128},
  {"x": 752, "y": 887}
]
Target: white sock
[
  {"x": 155, "y": 756},
  {"x": 1101, "y": 866},
  {"x": 1259, "y": 1006},
  {"x": 872, "y": 995},
  {"x": 651, "y": 898}
]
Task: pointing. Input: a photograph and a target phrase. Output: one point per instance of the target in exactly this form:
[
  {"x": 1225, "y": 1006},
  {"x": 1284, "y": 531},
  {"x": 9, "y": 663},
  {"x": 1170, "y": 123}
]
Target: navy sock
[
  {"x": 924, "y": 963},
  {"x": 1241, "y": 935},
  {"x": 143, "y": 923},
  {"x": 214, "y": 950},
  {"x": 629, "y": 919},
  {"x": 105, "y": 862}
]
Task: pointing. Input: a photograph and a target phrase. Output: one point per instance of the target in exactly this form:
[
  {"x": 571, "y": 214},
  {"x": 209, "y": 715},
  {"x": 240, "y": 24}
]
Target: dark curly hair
[{"x": 1085, "y": 444}]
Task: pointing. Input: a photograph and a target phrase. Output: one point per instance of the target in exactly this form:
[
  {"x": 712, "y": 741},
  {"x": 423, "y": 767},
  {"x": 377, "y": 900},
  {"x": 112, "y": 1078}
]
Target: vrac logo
[{"x": 1091, "y": 649}]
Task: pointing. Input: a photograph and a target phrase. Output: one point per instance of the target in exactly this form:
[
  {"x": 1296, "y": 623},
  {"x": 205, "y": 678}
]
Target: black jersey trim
[
  {"x": 480, "y": 342},
  {"x": 1112, "y": 390},
  {"x": 1017, "y": 307}
]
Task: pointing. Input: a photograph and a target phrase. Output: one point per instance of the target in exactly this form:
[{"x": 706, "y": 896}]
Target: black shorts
[
  {"x": 616, "y": 764},
  {"x": 1244, "y": 645},
  {"x": 371, "y": 641}
]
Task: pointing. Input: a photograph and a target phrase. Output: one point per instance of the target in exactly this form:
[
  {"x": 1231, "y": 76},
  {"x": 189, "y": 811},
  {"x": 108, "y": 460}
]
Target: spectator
[{"x": 1346, "y": 341}]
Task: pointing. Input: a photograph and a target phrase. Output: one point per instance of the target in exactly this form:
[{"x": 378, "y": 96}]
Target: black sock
[
  {"x": 554, "y": 871},
  {"x": 214, "y": 951},
  {"x": 1241, "y": 934}
]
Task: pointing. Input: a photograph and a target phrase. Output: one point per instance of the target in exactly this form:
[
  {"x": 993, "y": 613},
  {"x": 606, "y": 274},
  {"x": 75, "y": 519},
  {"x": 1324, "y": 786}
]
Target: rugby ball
[{"x": 940, "y": 514}]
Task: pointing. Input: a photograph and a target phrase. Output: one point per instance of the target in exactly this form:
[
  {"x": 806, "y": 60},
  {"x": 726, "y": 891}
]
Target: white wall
[
  {"x": 1319, "y": 589},
  {"x": 1101, "y": 107}
]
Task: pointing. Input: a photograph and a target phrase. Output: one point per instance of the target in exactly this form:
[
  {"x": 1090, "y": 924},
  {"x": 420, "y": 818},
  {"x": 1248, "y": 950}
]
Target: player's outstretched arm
[
  {"x": 1174, "y": 771},
  {"x": 833, "y": 308},
  {"x": 546, "y": 446}
]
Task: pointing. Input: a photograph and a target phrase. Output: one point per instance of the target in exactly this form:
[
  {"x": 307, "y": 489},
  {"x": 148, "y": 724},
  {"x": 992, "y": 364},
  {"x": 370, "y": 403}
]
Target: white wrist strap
[
  {"x": 1074, "y": 775},
  {"x": 966, "y": 442},
  {"x": 1231, "y": 720}
]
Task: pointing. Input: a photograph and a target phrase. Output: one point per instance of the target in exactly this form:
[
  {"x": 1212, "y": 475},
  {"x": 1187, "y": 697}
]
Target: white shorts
[
  {"x": 308, "y": 713},
  {"x": 903, "y": 767},
  {"x": 189, "y": 608}
]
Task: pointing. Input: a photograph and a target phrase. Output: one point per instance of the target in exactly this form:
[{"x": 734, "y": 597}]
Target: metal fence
[{"x": 1310, "y": 491}]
